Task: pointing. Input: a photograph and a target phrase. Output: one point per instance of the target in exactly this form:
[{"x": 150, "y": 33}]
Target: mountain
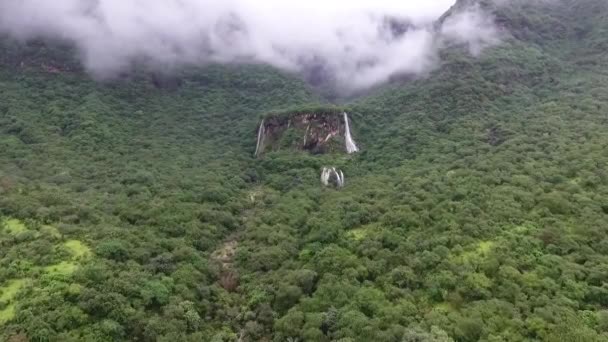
[{"x": 135, "y": 209}]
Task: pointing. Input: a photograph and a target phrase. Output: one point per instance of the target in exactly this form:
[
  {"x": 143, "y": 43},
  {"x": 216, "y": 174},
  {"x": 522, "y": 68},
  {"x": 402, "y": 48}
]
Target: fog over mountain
[
  {"x": 356, "y": 43},
  {"x": 352, "y": 171}
]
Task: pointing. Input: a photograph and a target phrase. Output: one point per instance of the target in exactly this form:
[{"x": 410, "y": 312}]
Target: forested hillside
[{"x": 134, "y": 209}]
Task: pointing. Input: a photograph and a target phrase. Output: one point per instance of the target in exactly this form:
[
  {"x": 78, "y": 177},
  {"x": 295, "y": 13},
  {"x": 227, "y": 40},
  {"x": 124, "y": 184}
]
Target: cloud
[
  {"x": 471, "y": 27},
  {"x": 356, "y": 43}
]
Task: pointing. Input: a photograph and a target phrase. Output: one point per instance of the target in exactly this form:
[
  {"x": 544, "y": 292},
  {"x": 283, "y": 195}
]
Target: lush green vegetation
[{"x": 476, "y": 211}]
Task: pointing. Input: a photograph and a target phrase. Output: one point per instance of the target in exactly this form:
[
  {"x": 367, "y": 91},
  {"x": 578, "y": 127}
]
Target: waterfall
[
  {"x": 306, "y": 135},
  {"x": 260, "y": 143},
  {"x": 328, "y": 173},
  {"x": 351, "y": 147},
  {"x": 325, "y": 176}
]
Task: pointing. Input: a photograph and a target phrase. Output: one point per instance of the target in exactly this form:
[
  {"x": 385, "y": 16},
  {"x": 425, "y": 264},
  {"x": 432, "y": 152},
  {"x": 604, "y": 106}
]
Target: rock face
[{"x": 316, "y": 133}]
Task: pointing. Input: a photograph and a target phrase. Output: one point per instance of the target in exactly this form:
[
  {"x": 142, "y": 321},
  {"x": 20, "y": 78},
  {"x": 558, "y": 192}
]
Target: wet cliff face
[{"x": 312, "y": 132}]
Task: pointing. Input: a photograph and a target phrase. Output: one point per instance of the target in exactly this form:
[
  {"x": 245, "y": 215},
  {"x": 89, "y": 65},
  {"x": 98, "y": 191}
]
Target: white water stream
[
  {"x": 351, "y": 146},
  {"x": 260, "y": 143},
  {"x": 328, "y": 172}
]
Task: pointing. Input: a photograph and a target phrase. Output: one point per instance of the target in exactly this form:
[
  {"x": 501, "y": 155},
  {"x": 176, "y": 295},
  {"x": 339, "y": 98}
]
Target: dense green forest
[{"x": 477, "y": 210}]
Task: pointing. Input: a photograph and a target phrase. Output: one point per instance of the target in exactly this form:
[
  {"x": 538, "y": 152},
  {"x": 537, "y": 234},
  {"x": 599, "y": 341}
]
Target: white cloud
[
  {"x": 471, "y": 27},
  {"x": 350, "y": 37}
]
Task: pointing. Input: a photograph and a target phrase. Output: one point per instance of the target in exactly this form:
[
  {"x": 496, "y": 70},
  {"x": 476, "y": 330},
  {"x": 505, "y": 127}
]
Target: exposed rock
[
  {"x": 224, "y": 256},
  {"x": 313, "y": 132}
]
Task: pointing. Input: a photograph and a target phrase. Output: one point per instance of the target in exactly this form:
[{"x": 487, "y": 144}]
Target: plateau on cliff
[{"x": 318, "y": 130}]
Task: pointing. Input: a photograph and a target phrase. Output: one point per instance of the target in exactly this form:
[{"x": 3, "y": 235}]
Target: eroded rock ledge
[{"x": 317, "y": 131}]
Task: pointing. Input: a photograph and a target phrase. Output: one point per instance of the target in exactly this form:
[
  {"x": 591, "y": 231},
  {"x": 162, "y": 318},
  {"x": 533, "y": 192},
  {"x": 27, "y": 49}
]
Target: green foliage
[
  {"x": 9, "y": 291},
  {"x": 476, "y": 210},
  {"x": 14, "y": 227}
]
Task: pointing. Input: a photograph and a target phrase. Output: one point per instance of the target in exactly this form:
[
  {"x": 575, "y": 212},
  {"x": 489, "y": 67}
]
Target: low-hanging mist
[{"x": 356, "y": 44}]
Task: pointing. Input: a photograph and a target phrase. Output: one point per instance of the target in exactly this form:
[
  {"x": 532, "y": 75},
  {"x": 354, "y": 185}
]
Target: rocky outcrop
[{"x": 313, "y": 132}]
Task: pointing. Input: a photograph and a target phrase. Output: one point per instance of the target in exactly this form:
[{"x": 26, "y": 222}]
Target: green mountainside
[{"x": 476, "y": 210}]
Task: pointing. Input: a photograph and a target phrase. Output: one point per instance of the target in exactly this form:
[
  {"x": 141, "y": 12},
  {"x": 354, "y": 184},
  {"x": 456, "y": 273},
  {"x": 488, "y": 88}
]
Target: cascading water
[
  {"x": 325, "y": 176},
  {"x": 351, "y": 146},
  {"x": 306, "y": 134},
  {"x": 260, "y": 139},
  {"x": 328, "y": 173}
]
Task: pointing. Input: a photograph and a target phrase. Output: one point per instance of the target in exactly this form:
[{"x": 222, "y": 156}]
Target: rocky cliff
[{"x": 316, "y": 132}]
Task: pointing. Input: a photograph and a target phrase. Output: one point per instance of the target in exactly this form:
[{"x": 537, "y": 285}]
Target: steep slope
[
  {"x": 318, "y": 130},
  {"x": 476, "y": 209},
  {"x": 134, "y": 171}
]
